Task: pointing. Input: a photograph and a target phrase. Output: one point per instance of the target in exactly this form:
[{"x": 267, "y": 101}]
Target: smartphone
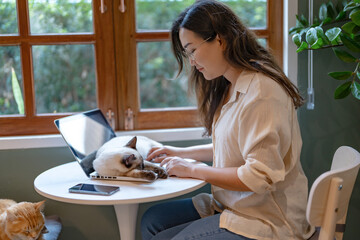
[{"x": 94, "y": 189}]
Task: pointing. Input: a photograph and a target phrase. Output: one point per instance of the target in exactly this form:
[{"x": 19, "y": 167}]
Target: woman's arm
[
  {"x": 226, "y": 178},
  {"x": 202, "y": 153}
]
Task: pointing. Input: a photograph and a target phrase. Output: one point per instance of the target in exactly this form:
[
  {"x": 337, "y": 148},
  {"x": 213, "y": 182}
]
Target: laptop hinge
[
  {"x": 110, "y": 118},
  {"x": 129, "y": 119}
]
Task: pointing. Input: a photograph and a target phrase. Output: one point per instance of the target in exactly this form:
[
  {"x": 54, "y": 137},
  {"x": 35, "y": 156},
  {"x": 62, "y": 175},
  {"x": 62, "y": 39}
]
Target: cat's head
[
  {"x": 25, "y": 220},
  {"x": 130, "y": 157}
]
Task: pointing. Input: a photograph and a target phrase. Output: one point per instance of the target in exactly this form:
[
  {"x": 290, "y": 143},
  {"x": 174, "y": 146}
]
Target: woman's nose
[{"x": 192, "y": 61}]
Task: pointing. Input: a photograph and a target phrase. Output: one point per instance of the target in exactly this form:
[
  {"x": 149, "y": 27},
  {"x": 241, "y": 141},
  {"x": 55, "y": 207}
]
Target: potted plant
[{"x": 334, "y": 27}]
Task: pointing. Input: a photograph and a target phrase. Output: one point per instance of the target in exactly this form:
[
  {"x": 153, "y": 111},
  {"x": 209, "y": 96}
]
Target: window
[{"x": 58, "y": 57}]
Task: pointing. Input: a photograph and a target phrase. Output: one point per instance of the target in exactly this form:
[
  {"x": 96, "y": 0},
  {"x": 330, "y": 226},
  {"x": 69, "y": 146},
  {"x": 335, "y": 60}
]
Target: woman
[{"x": 248, "y": 106}]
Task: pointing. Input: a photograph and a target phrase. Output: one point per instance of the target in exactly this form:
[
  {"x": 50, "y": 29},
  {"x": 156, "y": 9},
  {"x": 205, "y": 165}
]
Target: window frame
[{"x": 32, "y": 123}]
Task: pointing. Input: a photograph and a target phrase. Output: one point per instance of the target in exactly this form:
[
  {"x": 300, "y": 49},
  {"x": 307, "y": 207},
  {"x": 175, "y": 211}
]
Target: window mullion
[
  {"x": 105, "y": 58},
  {"x": 26, "y": 57},
  {"x": 126, "y": 63}
]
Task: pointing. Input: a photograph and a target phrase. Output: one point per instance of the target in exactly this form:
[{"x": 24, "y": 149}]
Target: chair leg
[{"x": 327, "y": 231}]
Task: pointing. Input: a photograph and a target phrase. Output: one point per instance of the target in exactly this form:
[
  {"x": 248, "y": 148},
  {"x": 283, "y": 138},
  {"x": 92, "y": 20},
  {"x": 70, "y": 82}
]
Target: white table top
[{"x": 55, "y": 182}]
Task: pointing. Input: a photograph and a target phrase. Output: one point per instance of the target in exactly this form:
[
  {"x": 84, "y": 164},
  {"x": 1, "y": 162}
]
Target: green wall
[{"x": 331, "y": 124}]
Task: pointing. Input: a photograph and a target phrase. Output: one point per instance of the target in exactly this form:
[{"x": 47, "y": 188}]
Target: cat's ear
[
  {"x": 44, "y": 230},
  {"x": 40, "y": 205},
  {"x": 10, "y": 216},
  {"x": 132, "y": 143}
]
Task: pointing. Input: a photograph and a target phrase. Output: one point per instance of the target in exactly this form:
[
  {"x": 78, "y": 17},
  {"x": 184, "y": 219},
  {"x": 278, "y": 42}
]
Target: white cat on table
[{"x": 124, "y": 156}]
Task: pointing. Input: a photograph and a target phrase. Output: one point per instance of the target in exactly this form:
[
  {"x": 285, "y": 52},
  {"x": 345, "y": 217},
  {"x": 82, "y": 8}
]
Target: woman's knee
[
  {"x": 150, "y": 222},
  {"x": 166, "y": 215}
]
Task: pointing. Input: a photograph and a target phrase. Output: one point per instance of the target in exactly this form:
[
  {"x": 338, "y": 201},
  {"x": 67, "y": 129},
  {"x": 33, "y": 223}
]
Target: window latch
[
  {"x": 122, "y": 6},
  {"x": 110, "y": 118},
  {"x": 129, "y": 119},
  {"x": 103, "y": 8}
]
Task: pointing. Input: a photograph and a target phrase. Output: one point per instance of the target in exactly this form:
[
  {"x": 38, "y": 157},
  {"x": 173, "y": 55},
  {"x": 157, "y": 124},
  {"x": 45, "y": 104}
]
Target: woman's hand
[
  {"x": 158, "y": 154},
  {"x": 176, "y": 166}
]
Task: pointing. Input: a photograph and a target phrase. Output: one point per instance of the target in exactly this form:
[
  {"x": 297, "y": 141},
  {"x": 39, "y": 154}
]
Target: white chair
[{"x": 330, "y": 194}]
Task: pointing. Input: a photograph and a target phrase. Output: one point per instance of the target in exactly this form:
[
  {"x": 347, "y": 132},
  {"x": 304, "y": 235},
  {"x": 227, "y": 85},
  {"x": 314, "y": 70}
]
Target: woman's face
[{"x": 206, "y": 56}]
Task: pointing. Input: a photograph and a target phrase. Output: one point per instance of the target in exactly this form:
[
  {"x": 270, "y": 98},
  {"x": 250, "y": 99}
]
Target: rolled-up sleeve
[{"x": 264, "y": 139}]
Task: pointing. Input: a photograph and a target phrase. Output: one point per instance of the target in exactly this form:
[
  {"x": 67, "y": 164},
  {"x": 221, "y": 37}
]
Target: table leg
[{"x": 126, "y": 215}]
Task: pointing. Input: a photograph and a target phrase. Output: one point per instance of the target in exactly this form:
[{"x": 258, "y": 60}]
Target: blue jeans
[{"x": 179, "y": 220}]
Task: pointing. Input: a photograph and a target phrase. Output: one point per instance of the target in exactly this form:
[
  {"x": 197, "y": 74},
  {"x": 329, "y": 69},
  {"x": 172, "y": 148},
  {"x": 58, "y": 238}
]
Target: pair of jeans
[{"x": 179, "y": 220}]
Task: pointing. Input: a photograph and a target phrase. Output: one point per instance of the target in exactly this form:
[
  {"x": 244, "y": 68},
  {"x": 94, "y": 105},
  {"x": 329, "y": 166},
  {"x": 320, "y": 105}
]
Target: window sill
[{"x": 55, "y": 140}]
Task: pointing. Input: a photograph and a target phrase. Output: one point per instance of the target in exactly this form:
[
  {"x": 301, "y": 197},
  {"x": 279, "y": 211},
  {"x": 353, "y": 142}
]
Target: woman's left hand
[{"x": 176, "y": 166}]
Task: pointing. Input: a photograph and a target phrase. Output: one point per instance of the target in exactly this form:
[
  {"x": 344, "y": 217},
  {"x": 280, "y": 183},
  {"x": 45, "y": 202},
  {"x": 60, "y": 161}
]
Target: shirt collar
[
  {"x": 242, "y": 84},
  {"x": 243, "y": 81}
]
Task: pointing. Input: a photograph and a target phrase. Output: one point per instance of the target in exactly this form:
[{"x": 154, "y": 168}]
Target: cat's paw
[
  {"x": 149, "y": 175},
  {"x": 161, "y": 172}
]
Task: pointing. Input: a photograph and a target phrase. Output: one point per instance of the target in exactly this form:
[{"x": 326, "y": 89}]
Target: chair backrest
[{"x": 330, "y": 193}]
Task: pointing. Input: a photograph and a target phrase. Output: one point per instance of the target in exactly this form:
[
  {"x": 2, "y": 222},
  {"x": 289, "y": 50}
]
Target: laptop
[{"x": 85, "y": 133}]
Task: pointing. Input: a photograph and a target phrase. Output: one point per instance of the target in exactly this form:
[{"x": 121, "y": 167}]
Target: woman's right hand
[{"x": 158, "y": 154}]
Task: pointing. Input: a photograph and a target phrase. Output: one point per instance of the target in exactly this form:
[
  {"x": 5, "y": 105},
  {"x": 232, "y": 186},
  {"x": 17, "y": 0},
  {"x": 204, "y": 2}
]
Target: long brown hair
[{"x": 209, "y": 18}]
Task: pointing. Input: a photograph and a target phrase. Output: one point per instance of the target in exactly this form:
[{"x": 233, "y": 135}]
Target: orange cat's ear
[
  {"x": 10, "y": 216},
  {"x": 40, "y": 205},
  {"x": 132, "y": 143},
  {"x": 44, "y": 230}
]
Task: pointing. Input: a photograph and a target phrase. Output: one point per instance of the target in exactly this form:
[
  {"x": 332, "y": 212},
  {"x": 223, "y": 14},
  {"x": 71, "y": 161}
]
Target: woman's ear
[{"x": 220, "y": 41}]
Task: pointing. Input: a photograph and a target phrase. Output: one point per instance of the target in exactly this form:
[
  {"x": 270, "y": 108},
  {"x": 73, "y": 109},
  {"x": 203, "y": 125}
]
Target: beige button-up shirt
[{"x": 257, "y": 131}]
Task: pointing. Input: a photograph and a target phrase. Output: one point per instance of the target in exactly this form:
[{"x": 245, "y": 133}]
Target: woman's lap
[
  {"x": 180, "y": 220},
  {"x": 167, "y": 215}
]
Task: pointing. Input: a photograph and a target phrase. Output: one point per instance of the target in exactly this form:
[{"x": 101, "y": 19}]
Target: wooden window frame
[{"x": 32, "y": 123}]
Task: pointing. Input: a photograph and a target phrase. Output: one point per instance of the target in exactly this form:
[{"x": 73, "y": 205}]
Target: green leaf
[
  {"x": 349, "y": 27},
  {"x": 340, "y": 75},
  {"x": 358, "y": 74},
  {"x": 303, "y": 46},
  {"x": 323, "y": 12},
  {"x": 296, "y": 38},
  {"x": 330, "y": 10},
  {"x": 355, "y": 17},
  {"x": 301, "y": 21},
  {"x": 350, "y": 6},
  {"x": 320, "y": 34},
  {"x": 355, "y": 90},
  {"x": 333, "y": 33},
  {"x": 340, "y": 16},
  {"x": 311, "y": 36},
  {"x": 350, "y": 43},
  {"x": 318, "y": 44},
  {"x": 343, "y": 90},
  {"x": 344, "y": 56},
  {"x": 356, "y": 30},
  {"x": 326, "y": 21},
  {"x": 294, "y": 30},
  {"x": 344, "y": 3},
  {"x": 17, "y": 92},
  {"x": 303, "y": 31},
  {"x": 357, "y": 38}
]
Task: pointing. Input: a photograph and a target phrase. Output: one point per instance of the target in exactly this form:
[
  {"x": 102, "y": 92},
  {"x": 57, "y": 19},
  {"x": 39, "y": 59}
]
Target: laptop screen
[{"x": 85, "y": 133}]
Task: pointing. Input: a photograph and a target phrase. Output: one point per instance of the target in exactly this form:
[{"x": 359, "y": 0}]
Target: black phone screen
[{"x": 94, "y": 189}]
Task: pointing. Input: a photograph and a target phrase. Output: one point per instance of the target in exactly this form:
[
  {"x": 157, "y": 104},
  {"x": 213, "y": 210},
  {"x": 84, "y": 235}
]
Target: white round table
[{"x": 55, "y": 182}]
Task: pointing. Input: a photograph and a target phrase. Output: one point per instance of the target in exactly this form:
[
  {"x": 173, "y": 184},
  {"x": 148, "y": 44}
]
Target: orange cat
[{"x": 22, "y": 221}]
